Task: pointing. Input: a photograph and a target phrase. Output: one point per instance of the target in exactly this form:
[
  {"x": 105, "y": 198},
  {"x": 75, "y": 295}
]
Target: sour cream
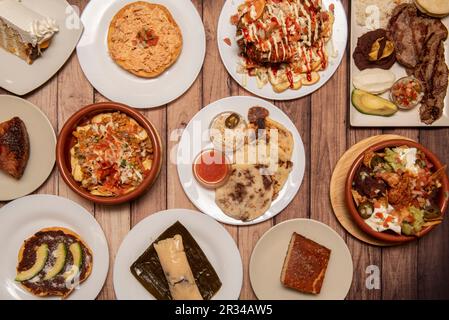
[
  {"x": 382, "y": 220},
  {"x": 408, "y": 158}
]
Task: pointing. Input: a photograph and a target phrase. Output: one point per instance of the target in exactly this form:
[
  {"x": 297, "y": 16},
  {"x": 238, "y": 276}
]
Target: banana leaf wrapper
[{"x": 148, "y": 271}]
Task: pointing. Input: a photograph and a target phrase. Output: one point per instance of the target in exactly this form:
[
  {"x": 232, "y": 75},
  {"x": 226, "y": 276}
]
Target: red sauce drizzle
[{"x": 290, "y": 78}]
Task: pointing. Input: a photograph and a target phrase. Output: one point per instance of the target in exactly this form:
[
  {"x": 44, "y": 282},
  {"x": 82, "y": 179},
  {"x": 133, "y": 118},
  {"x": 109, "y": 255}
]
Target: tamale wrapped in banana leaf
[{"x": 148, "y": 271}]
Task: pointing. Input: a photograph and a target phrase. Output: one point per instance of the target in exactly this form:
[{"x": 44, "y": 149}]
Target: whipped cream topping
[
  {"x": 42, "y": 30},
  {"x": 32, "y": 27}
]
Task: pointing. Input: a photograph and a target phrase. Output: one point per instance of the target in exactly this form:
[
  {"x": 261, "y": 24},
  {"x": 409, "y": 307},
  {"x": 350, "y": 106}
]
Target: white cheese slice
[{"x": 375, "y": 81}]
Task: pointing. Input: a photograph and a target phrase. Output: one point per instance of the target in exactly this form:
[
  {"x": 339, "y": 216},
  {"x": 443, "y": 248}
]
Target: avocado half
[
  {"x": 370, "y": 104},
  {"x": 60, "y": 254},
  {"x": 39, "y": 264}
]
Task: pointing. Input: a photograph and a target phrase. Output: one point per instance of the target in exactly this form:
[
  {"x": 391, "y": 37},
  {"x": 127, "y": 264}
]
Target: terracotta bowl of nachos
[
  {"x": 109, "y": 153},
  {"x": 397, "y": 191}
]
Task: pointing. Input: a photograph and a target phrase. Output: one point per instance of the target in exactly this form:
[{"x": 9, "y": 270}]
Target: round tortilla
[
  {"x": 434, "y": 8},
  {"x": 247, "y": 195},
  {"x": 88, "y": 265},
  {"x": 144, "y": 62}
]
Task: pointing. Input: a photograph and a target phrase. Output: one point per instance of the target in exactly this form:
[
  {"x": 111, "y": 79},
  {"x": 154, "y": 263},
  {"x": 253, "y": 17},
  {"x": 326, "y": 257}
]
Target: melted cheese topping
[
  {"x": 291, "y": 32},
  {"x": 177, "y": 270},
  {"x": 112, "y": 156}
]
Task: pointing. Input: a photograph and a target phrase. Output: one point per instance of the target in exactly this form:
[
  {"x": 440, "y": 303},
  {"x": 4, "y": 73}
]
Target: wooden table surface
[{"x": 418, "y": 270}]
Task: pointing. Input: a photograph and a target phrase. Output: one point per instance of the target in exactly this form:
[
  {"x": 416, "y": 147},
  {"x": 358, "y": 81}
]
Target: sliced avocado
[
  {"x": 77, "y": 254},
  {"x": 60, "y": 254},
  {"x": 370, "y": 104},
  {"x": 39, "y": 264}
]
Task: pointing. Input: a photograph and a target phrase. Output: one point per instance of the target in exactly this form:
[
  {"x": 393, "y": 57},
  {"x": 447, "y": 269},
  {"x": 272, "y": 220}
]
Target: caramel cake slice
[
  {"x": 305, "y": 265},
  {"x": 24, "y": 32},
  {"x": 14, "y": 147}
]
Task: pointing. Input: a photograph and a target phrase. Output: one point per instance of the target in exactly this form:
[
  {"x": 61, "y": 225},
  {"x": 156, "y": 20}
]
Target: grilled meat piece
[
  {"x": 401, "y": 33},
  {"x": 260, "y": 51},
  {"x": 419, "y": 43},
  {"x": 368, "y": 186},
  {"x": 257, "y": 113},
  {"x": 284, "y": 25},
  {"x": 433, "y": 73},
  {"x": 410, "y": 30},
  {"x": 14, "y": 147}
]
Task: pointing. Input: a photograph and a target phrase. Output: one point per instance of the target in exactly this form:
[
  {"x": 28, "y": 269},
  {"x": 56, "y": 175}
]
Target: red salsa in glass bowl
[
  {"x": 407, "y": 93},
  {"x": 211, "y": 168}
]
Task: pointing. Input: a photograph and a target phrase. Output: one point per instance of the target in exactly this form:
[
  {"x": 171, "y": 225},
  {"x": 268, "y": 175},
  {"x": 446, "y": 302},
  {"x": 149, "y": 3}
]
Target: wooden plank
[
  {"x": 116, "y": 222},
  {"x": 364, "y": 256},
  {"x": 156, "y": 198},
  {"x": 179, "y": 114},
  {"x": 216, "y": 80},
  {"x": 399, "y": 264},
  {"x": 328, "y": 143},
  {"x": 299, "y": 112},
  {"x": 433, "y": 249}
]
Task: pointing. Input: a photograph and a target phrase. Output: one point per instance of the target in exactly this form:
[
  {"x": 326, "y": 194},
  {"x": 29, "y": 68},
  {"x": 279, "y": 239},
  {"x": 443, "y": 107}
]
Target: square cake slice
[
  {"x": 305, "y": 265},
  {"x": 24, "y": 32}
]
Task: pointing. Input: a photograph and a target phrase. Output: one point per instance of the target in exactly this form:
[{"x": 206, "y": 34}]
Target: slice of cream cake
[{"x": 24, "y": 32}]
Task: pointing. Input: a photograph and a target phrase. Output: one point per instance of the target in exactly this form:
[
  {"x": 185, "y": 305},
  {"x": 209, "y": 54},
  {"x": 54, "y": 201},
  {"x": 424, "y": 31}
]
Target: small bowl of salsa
[
  {"x": 407, "y": 93},
  {"x": 212, "y": 168}
]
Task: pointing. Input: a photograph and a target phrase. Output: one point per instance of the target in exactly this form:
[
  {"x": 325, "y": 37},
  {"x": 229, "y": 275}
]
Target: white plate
[
  {"x": 230, "y": 54},
  {"x": 195, "y": 138},
  {"x": 214, "y": 240},
  {"x": 42, "y": 147},
  {"x": 401, "y": 118},
  {"x": 20, "y": 78},
  {"x": 22, "y": 218},
  {"x": 117, "y": 84},
  {"x": 269, "y": 253}
]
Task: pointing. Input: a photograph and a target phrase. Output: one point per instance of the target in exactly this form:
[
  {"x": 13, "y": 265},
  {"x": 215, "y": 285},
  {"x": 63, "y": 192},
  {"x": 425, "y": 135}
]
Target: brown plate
[
  {"x": 389, "y": 236},
  {"x": 66, "y": 141}
]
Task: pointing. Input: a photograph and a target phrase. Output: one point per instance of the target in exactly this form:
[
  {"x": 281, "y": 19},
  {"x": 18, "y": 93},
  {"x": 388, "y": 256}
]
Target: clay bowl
[
  {"x": 389, "y": 236},
  {"x": 66, "y": 141}
]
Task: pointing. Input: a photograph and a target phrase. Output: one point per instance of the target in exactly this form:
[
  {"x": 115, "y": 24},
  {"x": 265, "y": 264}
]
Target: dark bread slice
[{"x": 305, "y": 265}]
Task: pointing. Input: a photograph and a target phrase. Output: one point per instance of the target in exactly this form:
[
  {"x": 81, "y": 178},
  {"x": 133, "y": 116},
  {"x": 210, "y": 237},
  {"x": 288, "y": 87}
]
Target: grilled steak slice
[
  {"x": 419, "y": 43},
  {"x": 400, "y": 32},
  {"x": 14, "y": 147},
  {"x": 410, "y": 30},
  {"x": 433, "y": 72}
]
